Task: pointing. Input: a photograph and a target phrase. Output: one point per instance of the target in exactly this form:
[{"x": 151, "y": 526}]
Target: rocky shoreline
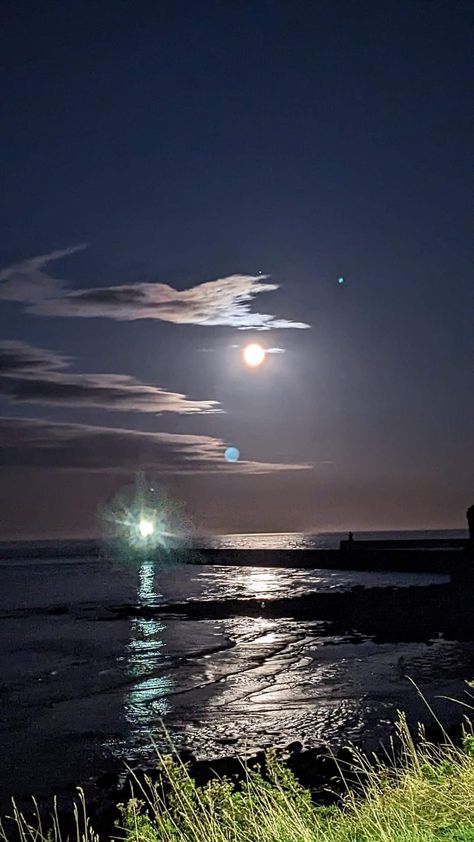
[
  {"x": 328, "y": 775},
  {"x": 383, "y": 614},
  {"x": 386, "y": 614}
]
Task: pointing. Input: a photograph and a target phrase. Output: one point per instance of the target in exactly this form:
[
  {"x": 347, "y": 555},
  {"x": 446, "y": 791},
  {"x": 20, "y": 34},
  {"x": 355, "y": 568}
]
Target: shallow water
[{"x": 83, "y": 689}]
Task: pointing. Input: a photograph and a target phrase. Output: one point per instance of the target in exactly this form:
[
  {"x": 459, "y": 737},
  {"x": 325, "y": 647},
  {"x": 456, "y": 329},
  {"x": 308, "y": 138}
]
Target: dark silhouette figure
[
  {"x": 470, "y": 523},
  {"x": 350, "y": 537}
]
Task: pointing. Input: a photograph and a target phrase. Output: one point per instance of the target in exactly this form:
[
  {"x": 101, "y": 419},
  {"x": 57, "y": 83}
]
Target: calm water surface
[{"x": 82, "y": 689}]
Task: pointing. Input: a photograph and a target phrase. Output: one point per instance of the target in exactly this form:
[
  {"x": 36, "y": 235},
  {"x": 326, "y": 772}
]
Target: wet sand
[{"x": 231, "y": 660}]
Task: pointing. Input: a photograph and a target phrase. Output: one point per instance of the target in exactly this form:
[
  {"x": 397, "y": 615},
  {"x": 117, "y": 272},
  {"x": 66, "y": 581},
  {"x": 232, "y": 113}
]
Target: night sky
[{"x": 180, "y": 179}]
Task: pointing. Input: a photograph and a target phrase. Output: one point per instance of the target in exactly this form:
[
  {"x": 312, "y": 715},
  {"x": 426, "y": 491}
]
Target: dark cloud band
[
  {"x": 35, "y": 375},
  {"x": 44, "y": 444}
]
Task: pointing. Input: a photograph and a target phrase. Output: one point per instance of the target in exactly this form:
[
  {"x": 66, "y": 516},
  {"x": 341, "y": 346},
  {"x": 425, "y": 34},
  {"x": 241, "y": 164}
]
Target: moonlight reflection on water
[
  {"x": 80, "y": 675},
  {"x": 146, "y": 697}
]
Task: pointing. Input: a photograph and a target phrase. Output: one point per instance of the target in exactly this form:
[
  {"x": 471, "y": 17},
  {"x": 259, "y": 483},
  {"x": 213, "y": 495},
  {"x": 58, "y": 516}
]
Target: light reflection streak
[
  {"x": 146, "y": 698},
  {"x": 260, "y": 584}
]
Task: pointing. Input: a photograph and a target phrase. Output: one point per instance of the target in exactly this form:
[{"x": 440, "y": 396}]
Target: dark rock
[
  {"x": 294, "y": 747},
  {"x": 187, "y": 756},
  {"x": 109, "y": 780}
]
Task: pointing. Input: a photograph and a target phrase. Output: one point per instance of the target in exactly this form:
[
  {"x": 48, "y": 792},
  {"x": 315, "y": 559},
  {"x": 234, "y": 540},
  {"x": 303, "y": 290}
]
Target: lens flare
[
  {"x": 232, "y": 454},
  {"x": 254, "y": 354},
  {"x": 143, "y": 518},
  {"x": 145, "y": 527}
]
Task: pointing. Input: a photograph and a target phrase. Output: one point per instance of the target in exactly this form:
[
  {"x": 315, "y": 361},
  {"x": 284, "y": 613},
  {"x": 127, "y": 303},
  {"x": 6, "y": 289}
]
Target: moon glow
[{"x": 254, "y": 355}]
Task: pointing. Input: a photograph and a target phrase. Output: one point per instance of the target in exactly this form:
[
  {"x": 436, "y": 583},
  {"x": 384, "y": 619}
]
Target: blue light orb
[
  {"x": 340, "y": 280},
  {"x": 232, "y": 454}
]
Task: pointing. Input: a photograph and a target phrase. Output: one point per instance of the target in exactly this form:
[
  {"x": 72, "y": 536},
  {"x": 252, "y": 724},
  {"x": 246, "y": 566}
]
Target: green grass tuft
[{"x": 427, "y": 796}]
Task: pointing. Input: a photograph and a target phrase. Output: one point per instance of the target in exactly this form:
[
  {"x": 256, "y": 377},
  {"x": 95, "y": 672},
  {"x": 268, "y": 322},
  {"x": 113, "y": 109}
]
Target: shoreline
[
  {"x": 327, "y": 774},
  {"x": 390, "y": 614}
]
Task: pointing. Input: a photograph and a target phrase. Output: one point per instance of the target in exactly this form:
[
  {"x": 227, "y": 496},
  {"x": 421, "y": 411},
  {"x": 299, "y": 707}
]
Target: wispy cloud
[
  {"x": 28, "y": 282},
  {"x": 239, "y": 348},
  {"x": 43, "y": 444},
  {"x": 35, "y": 375},
  {"x": 21, "y": 358},
  {"x": 224, "y": 301}
]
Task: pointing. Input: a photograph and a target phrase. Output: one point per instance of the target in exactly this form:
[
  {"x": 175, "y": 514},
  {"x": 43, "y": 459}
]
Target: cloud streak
[
  {"x": 35, "y": 375},
  {"x": 21, "y": 358},
  {"x": 224, "y": 301},
  {"x": 27, "y": 282},
  {"x": 43, "y": 444}
]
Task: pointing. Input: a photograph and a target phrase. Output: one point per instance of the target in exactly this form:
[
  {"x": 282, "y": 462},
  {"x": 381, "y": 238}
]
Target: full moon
[{"x": 254, "y": 355}]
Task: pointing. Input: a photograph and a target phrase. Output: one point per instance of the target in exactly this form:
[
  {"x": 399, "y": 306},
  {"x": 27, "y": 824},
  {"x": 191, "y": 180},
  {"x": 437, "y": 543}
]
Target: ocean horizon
[{"x": 252, "y": 540}]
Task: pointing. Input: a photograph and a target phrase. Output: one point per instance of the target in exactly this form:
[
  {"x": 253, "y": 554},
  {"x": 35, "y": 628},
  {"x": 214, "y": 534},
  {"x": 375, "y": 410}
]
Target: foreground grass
[{"x": 426, "y": 796}]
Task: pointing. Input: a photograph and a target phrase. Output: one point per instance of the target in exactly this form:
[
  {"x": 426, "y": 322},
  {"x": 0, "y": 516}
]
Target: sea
[{"x": 88, "y": 686}]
